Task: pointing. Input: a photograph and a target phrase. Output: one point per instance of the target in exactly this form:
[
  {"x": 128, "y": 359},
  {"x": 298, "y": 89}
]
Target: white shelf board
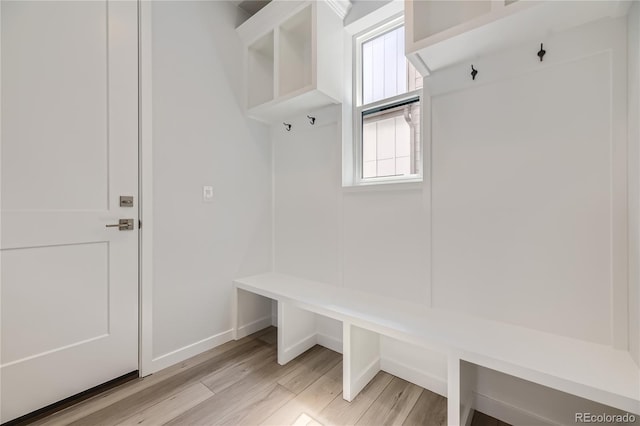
[
  {"x": 589, "y": 370},
  {"x": 295, "y": 103},
  {"x": 503, "y": 27},
  {"x": 275, "y": 11},
  {"x": 263, "y": 21}
]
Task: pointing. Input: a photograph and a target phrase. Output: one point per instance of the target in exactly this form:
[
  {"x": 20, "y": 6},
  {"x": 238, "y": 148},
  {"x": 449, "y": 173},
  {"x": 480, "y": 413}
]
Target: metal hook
[
  {"x": 312, "y": 120},
  {"x": 474, "y": 72},
  {"x": 541, "y": 52},
  {"x": 287, "y": 126}
]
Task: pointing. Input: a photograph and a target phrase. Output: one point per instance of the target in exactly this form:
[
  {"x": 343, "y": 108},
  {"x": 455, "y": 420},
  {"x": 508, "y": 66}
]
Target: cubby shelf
[
  {"x": 440, "y": 33},
  {"x": 260, "y": 62},
  {"x": 289, "y": 69}
]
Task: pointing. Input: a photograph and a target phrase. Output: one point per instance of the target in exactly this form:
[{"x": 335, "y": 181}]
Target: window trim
[{"x": 359, "y": 108}]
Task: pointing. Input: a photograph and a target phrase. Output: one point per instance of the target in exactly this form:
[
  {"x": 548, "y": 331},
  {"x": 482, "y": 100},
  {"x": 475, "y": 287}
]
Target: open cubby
[
  {"x": 260, "y": 68},
  {"x": 297, "y": 65},
  {"x": 432, "y": 17},
  {"x": 295, "y": 61}
]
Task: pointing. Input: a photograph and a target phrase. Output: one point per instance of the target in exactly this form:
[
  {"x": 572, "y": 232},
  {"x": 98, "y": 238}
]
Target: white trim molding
[
  {"x": 252, "y": 327},
  {"x": 412, "y": 374},
  {"x": 329, "y": 342},
  {"x": 186, "y": 352},
  {"x": 507, "y": 412},
  {"x": 145, "y": 189},
  {"x": 340, "y": 7}
]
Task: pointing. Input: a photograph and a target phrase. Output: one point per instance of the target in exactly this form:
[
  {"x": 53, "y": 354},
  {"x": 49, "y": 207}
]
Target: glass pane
[
  {"x": 391, "y": 142},
  {"x": 367, "y": 72},
  {"x": 369, "y": 169},
  {"x": 385, "y": 70}
]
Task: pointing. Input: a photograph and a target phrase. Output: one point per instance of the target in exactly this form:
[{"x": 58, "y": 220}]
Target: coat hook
[
  {"x": 474, "y": 72},
  {"x": 541, "y": 52},
  {"x": 312, "y": 120},
  {"x": 287, "y": 126}
]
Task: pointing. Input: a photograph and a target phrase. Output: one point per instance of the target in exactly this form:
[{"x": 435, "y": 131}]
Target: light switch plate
[{"x": 207, "y": 194}]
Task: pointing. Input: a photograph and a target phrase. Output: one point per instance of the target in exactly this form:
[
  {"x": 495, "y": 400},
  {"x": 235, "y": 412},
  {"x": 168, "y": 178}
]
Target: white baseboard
[
  {"x": 287, "y": 354},
  {"x": 186, "y": 352},
  {"x": 329, "y": 342},
  {"x": 508, "y": 413},
  {"x": 252, "y": 327},
  {"x": 413, "y": 375},
  {"x": 365, "y": 377}
]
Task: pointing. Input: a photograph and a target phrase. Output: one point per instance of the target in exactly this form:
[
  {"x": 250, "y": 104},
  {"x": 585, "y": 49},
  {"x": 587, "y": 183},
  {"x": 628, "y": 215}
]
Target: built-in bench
[{"x": 588, "y": 370}]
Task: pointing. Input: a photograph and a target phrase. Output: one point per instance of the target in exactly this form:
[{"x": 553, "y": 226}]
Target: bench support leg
[
  {"x": 296, "y": 331},
  {"x": 361, "y": 359},
  {"x": 460, "y": 391}
]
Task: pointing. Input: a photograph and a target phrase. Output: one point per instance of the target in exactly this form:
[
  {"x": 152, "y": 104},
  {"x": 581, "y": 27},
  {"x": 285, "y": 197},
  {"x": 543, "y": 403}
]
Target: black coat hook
[
  {"x": 541, "y": 52},
  {"x": 287, "y": 126},
  {"x": 312, "y": 120},
  {"x": 474, "y": 72}
]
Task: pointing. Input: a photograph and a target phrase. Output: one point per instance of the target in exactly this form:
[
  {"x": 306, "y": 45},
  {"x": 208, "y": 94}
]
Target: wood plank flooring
[
  {"x": 481, "y": 419},
  {"x": 240, "y": 383}
]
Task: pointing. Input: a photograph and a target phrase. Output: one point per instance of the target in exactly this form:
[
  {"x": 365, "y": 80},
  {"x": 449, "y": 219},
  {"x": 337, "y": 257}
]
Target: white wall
[
  {"x": 201, "y": 137},
  {"x": 528, "y": 184},
  {"x": 308, "y": 208},
  {"x": 529, "y": 187},
  {"x": 634, "y": 184},
  {"x": 364, "y": 239},
  {"x": 527, "y": 219}
]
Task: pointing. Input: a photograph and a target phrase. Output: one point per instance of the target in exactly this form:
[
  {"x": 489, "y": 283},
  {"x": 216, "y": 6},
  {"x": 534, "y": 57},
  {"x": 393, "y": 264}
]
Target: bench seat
[{"x": 588, "y": 370}]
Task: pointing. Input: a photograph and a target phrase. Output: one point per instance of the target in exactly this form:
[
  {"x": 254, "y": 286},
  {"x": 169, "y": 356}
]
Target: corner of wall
[
  {"x": 633, "y": 61},
  {"x": 200, "y": 135}
]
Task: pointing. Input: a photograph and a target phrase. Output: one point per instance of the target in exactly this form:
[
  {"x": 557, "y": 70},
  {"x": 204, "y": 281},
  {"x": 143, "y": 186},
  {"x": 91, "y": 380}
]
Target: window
[{"x": 387, "y": 108}]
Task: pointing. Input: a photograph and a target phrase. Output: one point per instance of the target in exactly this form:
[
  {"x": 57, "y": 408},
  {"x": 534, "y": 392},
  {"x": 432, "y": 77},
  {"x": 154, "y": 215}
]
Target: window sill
[{"x": 386, "y": 185}]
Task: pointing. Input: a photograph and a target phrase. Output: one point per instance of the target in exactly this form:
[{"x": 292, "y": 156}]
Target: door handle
[{"x": 122, "y": 225}]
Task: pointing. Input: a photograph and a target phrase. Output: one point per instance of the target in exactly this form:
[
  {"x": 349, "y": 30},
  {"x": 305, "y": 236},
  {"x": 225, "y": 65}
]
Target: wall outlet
[{"x": 207, "y": 194}]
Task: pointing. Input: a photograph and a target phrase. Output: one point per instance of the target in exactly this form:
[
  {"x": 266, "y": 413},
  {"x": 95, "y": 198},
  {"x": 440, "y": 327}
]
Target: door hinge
[{"x": 139, "y": 224}]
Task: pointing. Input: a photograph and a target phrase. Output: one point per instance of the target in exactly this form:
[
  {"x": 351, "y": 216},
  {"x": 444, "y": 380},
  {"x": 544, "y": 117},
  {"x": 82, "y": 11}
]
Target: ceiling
[{"x": 251, "y": 6}]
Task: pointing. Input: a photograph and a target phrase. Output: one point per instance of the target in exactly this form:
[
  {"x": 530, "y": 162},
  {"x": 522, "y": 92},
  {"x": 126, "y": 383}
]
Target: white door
[{"x": 69, "y": 288}]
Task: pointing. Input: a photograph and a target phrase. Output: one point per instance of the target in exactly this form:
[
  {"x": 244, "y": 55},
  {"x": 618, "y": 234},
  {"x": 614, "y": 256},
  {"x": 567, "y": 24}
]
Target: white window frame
[{"x": 359, "y": 108}]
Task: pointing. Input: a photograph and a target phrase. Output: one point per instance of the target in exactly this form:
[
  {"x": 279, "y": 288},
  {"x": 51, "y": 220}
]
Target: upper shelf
[
  {"x": 289, "y": 68},
  {"x": 444, "y": 33}
]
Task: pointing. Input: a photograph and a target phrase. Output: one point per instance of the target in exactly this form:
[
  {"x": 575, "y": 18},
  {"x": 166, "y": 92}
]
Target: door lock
[
  {"x": 126, "y": 201},
  {"x": 123, "y": 225}
]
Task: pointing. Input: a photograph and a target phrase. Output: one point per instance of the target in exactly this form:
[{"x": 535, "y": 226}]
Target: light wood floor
[{"x": 240, "y": 383}]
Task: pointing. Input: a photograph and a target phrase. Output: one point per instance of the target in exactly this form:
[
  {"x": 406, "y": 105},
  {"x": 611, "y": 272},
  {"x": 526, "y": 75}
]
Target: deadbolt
[
  {"x": 123, "y": 225},
  {"x": 126, "y": 201}
]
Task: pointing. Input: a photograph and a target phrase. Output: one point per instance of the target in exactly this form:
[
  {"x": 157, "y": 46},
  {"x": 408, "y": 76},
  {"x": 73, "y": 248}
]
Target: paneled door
[{"x": 69, "y": 283}]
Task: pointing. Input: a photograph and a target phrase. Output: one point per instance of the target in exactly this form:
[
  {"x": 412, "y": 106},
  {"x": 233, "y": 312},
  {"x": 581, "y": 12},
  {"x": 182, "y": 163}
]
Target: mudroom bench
[{"x": 588, "y": 370}]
